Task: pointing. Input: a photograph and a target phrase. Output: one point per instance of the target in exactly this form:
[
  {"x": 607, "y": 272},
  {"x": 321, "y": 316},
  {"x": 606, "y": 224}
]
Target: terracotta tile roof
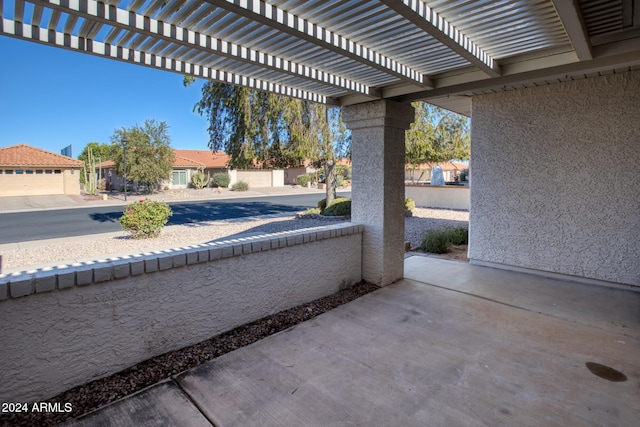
[
  {"x": 446, "y": 166},
  {"x": 26, "y": 155},
  {"x": 106, "y": 164},
  {"x": 207, "y": 158},
  {"x": 180, "y": 161},
  {"x": 189, "y": 159}
]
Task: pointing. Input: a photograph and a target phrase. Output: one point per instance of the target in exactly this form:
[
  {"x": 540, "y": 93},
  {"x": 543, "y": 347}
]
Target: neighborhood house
[
  {"x": 185, "y": 164},
  {"x": 30, "y": 171}
]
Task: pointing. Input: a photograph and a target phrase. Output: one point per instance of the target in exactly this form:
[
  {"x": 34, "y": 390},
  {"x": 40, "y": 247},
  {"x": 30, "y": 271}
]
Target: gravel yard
[{"x": 32, "y": 255}]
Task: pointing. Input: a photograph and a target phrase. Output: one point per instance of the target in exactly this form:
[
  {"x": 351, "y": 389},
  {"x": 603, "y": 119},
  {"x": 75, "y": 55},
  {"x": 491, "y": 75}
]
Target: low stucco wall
[
  {"x": 446, "y": 197},
  {"x": 65, "y": 326},
  {"x": 555, "y": 183}
]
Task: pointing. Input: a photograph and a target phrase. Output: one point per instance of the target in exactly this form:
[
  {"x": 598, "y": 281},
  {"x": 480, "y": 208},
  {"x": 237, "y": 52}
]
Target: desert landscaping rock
[{"x": 102, "y": 247}]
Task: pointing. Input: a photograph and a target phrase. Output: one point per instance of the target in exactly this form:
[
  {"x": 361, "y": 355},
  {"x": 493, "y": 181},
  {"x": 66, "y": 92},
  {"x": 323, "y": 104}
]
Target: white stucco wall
[
  {"x": 257, "y": 178},
  {"x": 446, "y": 197},
  {"x": 555, "y": 184},
  {"x": 378, "y": 133},
  {"x": 66, "y": 326}
]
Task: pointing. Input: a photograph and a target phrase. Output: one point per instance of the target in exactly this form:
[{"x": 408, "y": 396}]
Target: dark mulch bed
[{"x": 99, "y": 393}]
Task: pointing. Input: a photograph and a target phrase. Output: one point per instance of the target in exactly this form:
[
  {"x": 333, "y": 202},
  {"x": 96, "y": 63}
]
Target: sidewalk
[{"x": 39, "y": 203}]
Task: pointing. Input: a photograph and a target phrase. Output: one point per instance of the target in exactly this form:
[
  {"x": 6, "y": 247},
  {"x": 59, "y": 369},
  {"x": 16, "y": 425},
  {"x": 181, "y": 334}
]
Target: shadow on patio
[{"x": 451, "y": 344}]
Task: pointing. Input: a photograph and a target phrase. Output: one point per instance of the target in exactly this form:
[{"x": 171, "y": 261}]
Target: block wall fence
[
  {"x": 445, "y": 197},
  {"x": 69, "y": 325}
]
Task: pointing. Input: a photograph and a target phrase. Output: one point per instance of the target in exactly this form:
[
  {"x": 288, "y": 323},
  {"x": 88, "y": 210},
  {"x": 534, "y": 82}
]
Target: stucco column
[{"x": 377, "y": 196}]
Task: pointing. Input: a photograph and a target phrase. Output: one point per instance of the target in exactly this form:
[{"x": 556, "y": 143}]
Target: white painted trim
[
  {"x": 286, "y": 22},
  {"x": 68, "y": 41},
  {"x": 439, "y": 28},
  {"x": 99, "y": 12},
  {"x": 569, "y": 13}
]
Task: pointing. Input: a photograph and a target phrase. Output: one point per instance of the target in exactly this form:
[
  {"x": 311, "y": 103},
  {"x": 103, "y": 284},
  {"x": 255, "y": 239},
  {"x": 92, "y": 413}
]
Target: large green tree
[
  {"x": 149, "y": 154},
  {"x": 273, "y": 130},
  {"x": 436, "y": 135},
  {"x": 100, "y": 151}
]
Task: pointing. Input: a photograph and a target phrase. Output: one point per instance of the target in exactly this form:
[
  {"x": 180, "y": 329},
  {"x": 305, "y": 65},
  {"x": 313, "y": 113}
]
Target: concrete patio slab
[
  {"x": 160, "y": 405},
  {"x": 414, "y": 355},
  {"x": 614, "y": 309},
  {"x": 465, "y": 346}
]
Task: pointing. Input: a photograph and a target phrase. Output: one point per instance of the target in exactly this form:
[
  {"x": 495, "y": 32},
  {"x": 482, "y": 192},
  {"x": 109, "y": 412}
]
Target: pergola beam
[
  {"x": 105, "y": 50},
  {"x": 571, "y": 18},
  {"x": 99, "y": 12},
  {"x": 288, "y": 23},
  {"x": 425, "y": 18},
  {"x": 602, "y": 63}
]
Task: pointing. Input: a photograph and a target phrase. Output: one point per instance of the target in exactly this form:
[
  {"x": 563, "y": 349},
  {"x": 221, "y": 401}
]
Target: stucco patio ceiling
[{"x": 344, "y": 52}]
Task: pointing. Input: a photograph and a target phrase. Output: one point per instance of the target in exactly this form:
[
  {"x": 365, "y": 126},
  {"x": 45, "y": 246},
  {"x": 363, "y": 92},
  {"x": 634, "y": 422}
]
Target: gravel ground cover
[
  {"x": 48, "y": 253},
  {"x": 99, "y": 393}
]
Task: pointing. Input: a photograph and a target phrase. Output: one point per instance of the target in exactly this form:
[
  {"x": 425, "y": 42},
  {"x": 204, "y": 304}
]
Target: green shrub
[
  {"x": 145, "y": 218},
  {"x": 240, "y": 186},
  {"x": 339, "y": 207},
  {"x": 221, "y": 179},
  {"x": 458, "y": 235},
  {"x": 440, "y": 241},
  {"x": 322, "y": 204},
  {"x": 435, "y": 242},
  {"x": 200, "y": 180},
  {"x": 311, "y": 211},
  {"x": 339, "y": 180},
  {"x": 409, "y": 204},
  {"x": 303, "y": 180}
]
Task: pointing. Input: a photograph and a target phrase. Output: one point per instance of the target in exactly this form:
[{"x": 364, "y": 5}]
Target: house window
[
  {"x": 48, "y": 171},
  {"x": 9, "y": 172},
  {"x": 179, "y": 178},
  {"x": 19, "y": 171},
  {"x": 29, "y": 171},
  {"x": 57, "y": 171},
  {"x": 38, "y": 171}
]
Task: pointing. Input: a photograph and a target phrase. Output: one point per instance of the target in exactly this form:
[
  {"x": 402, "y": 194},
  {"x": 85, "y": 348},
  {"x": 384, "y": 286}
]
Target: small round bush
[
  {"x": 303, "y": 180},
  {"x": 458, "y": 235},
  {"x": 240, "y": 186},
  {"x": 409, "y": 204},
  {"x": 145, "y": 218},
  {"x": 339, "y": 207},
  {"x": 435, "y": 242},
  {"x": 440, "y": 241},
  {"x": 221, "y": 179},
  {"x": 322, "y": 204}
]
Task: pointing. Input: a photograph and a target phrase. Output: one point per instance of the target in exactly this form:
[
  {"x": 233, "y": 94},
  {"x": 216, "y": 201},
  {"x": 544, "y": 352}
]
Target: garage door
[{"x": 31, "y": 182}]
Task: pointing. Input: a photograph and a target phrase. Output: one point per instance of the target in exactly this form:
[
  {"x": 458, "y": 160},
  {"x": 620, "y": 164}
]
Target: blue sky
[{"x": 51, "y": 97}]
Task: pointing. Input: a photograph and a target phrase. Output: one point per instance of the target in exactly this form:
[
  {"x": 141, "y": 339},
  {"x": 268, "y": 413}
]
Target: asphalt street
[{"x": 51, "y": 224}]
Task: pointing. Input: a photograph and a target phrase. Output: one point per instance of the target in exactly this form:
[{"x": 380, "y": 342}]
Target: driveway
[{"x": 25, "y": 203}]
